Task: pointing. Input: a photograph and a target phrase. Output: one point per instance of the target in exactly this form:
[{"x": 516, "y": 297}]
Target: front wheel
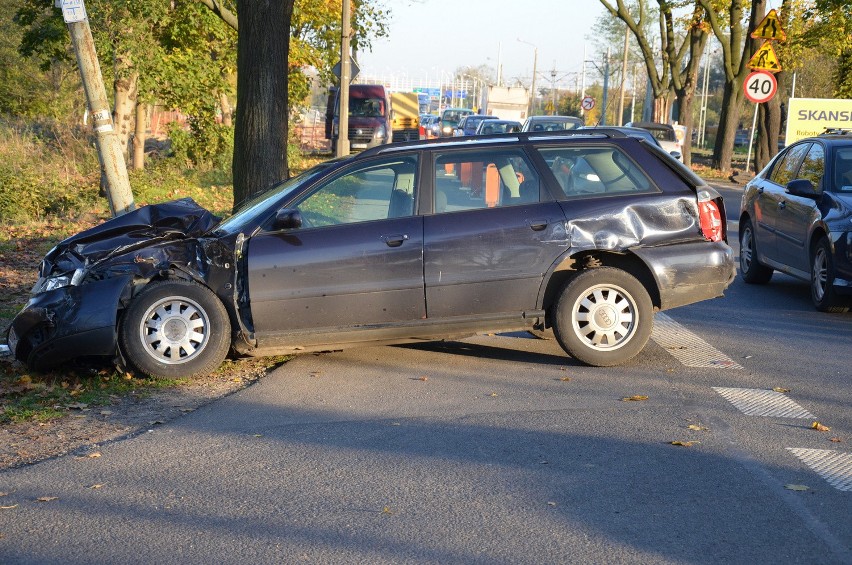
[
  {"x": 175, "y": 329},
  {"x": 822, "y": 280},
  {"x": 603, "y": 317}
]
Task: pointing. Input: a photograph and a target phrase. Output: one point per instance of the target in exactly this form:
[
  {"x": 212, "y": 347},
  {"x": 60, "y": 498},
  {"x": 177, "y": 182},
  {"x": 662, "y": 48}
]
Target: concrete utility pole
[
  {"x": 109, "y": 150},
  {"x": 345, "y": 74}
]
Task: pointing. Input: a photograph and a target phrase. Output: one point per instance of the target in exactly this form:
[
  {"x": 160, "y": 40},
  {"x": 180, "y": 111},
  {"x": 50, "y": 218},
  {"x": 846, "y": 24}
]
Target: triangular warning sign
[
  {"x": 769, "y": 28},
  {"x": 765, "y": 59}
]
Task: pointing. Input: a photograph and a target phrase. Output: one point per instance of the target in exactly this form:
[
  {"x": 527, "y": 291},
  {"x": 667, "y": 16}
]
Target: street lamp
[{"x": 535, "y": 69}]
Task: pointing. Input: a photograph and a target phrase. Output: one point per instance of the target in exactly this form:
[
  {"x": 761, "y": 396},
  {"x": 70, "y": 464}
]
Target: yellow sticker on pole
[
  {"x": 769, "y": 28},
  {"x": 765, "y": 59}
]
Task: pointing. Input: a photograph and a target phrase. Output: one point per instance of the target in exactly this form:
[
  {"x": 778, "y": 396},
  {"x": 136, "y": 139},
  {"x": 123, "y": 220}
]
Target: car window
[
  {"x": 468, "y": 180},
  {"x": 601, "y": 170},
  {"x": 787, "y": 166},
  {"x": 813, "y": 166},
  {"x": 843, "y": 169},
  {"x": 374, "y": 191}
]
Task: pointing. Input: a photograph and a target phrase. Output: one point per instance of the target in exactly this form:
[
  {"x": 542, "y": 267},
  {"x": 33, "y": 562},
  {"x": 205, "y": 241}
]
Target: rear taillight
[{"x": 710, "y": 217}]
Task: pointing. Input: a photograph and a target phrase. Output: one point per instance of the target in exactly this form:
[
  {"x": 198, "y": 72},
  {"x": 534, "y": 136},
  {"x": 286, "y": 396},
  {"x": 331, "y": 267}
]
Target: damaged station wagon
[{"x": 587, "y": 233}]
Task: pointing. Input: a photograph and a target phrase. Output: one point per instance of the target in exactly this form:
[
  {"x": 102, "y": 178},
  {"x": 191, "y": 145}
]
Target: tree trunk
[
  {"x": 126, "y": 92},
  {"x": 729, "y": 117},
  {"x": 227, "y": 111},
  {"x": 737, "y": 54},
  {"x": 139, "y": 137},
  {"x": 260, "y": 132},
  {"x": 768, "y": 130}
]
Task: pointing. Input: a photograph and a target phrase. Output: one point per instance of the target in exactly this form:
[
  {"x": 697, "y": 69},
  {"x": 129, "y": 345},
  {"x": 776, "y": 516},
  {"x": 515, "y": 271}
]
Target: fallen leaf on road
[
  {"x": 565, "y": 379},
  {"x": 106, "y": 412},
  {"x": 634, "y": 398},
  {"x": 387, "y": 510},
  {"x": 187, "y": 409},
  {"x": 155, "y": 422},
  {"x": 8, "y": 507},
  {"x": 493, "y": 394},
  {"x": 424, "y": 379},
  {"x": 94, "y": 455},
  {"x": 697, "y": 428},
  {"x": 551, "y": 504},
  {"x": 77, "y": 406},
  {"x": 781, "y": 390},
  {"x": 836, "y": 439},
  {"x": 820, "y": 428},
  {"x": 46, "y": 498},
  {"x": 684, "y": 443},
  {"x": 97, "y": 486},
  {"x": 796, "y": 487}
]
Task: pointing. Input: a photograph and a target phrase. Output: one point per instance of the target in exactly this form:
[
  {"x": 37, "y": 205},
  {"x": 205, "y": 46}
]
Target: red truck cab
[{"x": 369, "y": 116}]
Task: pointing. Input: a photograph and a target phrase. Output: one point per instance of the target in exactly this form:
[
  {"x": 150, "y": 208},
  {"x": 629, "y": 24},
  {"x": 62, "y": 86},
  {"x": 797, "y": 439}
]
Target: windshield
[
  {"x": 366, "y": 107},
  {"x": 843, "y": 169},
  {"x": 261, "y": 205}
]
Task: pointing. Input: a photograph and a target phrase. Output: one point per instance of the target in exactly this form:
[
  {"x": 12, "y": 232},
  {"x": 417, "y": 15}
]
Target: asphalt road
[{"x": 495, "y": 449}]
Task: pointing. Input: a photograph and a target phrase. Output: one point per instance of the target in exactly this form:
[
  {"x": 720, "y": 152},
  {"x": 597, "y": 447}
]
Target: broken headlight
[{"x": 46, "y": 284}]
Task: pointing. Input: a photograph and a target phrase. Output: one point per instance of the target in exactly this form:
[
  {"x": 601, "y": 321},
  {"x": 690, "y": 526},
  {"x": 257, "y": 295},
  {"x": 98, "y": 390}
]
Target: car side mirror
[
  {"x": 287, "y": 219},
  {"x": 803, "y": 188}
]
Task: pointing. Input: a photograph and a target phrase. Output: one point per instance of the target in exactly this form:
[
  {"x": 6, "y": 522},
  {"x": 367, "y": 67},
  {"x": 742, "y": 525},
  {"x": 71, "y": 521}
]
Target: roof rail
[
  {"x": 837, "y": 131},
  {"x": 507, "y": 137}
]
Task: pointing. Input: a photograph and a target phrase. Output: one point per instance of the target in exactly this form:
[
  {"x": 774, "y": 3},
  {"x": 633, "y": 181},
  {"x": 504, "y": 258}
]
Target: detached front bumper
[
  {"x": 68, "y": 322},
  {"x": 689, "y": 272}
]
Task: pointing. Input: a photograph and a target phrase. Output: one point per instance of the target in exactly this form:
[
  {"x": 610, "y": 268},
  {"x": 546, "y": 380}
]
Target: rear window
[{"x": 597, "y": 170}]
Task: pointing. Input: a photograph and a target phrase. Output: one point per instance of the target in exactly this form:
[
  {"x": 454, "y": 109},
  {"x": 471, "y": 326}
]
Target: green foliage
[{"x": 205, "y": 145}]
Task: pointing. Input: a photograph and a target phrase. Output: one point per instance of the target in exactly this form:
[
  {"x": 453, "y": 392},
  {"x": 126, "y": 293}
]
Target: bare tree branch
[{"x": 224, "y": 14}]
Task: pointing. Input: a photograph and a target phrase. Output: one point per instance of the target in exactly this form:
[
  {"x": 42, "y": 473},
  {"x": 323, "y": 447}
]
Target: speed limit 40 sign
[{"x": 760, "y": 86}]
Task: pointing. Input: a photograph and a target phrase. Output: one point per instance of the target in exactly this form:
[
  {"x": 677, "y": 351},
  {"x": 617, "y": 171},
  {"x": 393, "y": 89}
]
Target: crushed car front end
[{"x": 86, "y": 280}]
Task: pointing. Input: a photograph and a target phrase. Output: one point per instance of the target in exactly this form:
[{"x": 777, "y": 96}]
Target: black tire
[
  {"x": 822, "y": 280},
  {"x": 752, "y": 270},
  {"x": 175, "y": 329},
  {"x": 603, "y": 317}
]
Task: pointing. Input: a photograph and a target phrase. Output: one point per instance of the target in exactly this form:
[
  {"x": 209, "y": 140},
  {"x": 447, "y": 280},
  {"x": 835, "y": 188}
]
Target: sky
[{"x": 429, "y": 39}]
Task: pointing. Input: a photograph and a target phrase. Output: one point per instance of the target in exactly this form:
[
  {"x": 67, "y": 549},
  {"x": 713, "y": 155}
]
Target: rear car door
[
  {"x": 770, "y": 197},
  {"x": 356, "y": 260},
  {"x": 796, "y": 214},
  {"x": 494, "y": 233}
]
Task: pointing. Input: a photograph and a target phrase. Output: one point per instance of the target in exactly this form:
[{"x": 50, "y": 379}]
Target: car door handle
[
  {"x": 395, "y": 240},
  {"x": 537, "y": 225},
  {"x": 782, "y": 205}
]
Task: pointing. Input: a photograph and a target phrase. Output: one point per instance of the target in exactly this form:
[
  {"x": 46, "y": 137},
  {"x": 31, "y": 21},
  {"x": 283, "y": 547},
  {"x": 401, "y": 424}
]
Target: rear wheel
[
  {"x": 752, "y": 271},
  {"x": 822, "y": 280},
  {"x": 603, "y": 317},
  {"x": 175, "y": 329}
]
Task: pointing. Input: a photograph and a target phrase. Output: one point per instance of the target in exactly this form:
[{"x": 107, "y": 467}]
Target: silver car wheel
[
  {"x": 174, "y": 330},
  {"x": 604, "y": 317},
  {"x": 746, "y": 250},
  {"x": 819, "y": 273}
]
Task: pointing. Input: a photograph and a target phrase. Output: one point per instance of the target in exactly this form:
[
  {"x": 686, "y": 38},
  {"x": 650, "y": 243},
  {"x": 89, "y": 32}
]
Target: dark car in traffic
[
  {"x": 488, "y": 127},
  {"x": 796, "y": 218},
  {"x": 588, "y": 233}
]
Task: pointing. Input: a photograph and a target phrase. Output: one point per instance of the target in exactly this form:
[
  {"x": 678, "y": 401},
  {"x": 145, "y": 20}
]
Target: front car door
[
  {"x": 356, "y": 261},
  {"x": 494, "y": 234}
]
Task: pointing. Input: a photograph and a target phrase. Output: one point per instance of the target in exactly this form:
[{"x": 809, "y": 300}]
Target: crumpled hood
[{"x": 178, "y": 219}]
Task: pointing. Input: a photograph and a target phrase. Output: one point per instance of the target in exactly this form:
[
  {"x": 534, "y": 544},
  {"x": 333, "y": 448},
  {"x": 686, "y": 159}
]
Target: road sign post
[{"x": 110, "y": 153}]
